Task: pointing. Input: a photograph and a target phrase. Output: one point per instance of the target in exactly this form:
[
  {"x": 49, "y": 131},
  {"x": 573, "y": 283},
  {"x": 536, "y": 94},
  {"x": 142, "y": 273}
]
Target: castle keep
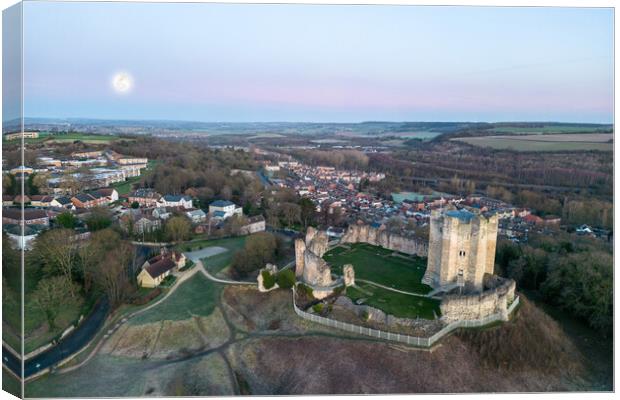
[{"x": 461, "y": 249}]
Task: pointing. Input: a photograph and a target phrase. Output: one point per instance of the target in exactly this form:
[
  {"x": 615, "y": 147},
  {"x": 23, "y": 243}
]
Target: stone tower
[{"x": 461, "y": 248}]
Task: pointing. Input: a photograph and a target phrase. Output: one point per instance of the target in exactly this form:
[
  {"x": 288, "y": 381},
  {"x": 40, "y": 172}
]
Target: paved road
[{"x": 73, "y": 342}]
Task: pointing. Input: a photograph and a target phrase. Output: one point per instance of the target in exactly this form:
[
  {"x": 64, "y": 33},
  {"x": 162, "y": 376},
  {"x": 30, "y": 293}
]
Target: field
[
  {"x": 397, "y": 304},
  {"x": 197, "y": 296},
  {"x": 555, "y": 142},
  {"x": 379, "y": 265},
  {"x": 71, "y": 137},
  {"x": 551, "y": 128}
]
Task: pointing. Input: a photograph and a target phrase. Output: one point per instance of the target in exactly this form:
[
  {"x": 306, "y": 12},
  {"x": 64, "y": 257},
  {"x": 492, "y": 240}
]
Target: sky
[{"x": 242, "y": 62}]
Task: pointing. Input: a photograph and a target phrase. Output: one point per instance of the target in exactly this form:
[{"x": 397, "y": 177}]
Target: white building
[
  {"x": 196, "y": 216},
  {"x": 170, "y": 200},
  {"x": 222, "y": 209}
]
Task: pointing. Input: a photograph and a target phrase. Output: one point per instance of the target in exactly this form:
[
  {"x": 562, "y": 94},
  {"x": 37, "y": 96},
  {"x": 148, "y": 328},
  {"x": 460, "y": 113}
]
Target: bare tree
[
  {"x": 178, "y": 229},
  {"x": 57, "y": 251},
  {"x": 52, "y": 294}
]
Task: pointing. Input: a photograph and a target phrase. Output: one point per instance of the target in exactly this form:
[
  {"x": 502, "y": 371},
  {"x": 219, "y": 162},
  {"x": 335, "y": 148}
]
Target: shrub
[
  {"x": 189, "y": 264},
  {"x": 304, "y": 289},
  {"x": 268, "y": 279},
  {"x": 286, "y": 279},
  {"x": 365, "y": 315},
  {"x": 318, "y": 307}
]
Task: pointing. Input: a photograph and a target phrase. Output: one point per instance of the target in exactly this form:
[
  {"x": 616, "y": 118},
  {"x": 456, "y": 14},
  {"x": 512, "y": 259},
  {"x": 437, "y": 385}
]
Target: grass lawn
[
  {"x": 397, "y": 304},
  {"x": 125, "y": 187},
  {"x": 11, "y": 319},
  {"x": 37, "y": 330},
  {"x": 546, "y": 129},
  {"x": 379, "y": 265},
  {"x": 197, "y": 296},
  {"x": 11, "y": 384},
  {"x": 218, "y": 262}
]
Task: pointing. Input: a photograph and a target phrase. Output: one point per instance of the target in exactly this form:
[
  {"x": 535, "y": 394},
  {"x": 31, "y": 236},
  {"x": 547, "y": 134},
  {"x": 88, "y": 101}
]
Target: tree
[
  {"x": 66, "y": 220},
  {"x": 56, "y": 249},
  {"x": 92, "y": 254},
  {"x": 39, "y": 182},
  {"x": 286, "y": 279},
  {"x": 11, "y": 264},
  {"x": 52, "y": 294},
  {"x": 9, "y": 184},
  {"x": 112, "y": 274},
  {"x": 291, "y": 213},
  {"x": 135, "y": 205},
  {"x": 178, "y": 229},
  {"x": 99, "y": 219},
  {"x": 259, "y": 249},
  {"x": 235, "y": 223},
  {"x": 70, "y": 184},
  {"x": 306, "y": 211}
]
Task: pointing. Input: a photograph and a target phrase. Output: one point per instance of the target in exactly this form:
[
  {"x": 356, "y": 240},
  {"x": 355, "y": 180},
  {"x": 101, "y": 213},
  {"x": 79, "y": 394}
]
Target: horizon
[
  {"x": 317, "y": 63},
  {"x": 315, "y": 122}
]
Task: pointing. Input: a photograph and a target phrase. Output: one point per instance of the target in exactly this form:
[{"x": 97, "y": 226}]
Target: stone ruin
[
  {"x": 310, "y": 268},
  {"x": 348, "y": 274},
  {"x": 272, "y": 270},
  {"x": 363, "y": 233}
]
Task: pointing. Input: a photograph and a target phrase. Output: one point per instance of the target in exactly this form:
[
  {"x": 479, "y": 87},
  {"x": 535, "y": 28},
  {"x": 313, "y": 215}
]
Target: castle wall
[
  {"x": 495, "y": 299},
  {"x": 381, "y": 237},
  {"x": 300, "y": 248},
  {"x": 316, "y": 271},
  {"x": 461, "y": 249}
]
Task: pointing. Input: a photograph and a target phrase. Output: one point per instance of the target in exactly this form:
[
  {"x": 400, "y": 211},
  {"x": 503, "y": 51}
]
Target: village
[{"x": 338, "y": 192}]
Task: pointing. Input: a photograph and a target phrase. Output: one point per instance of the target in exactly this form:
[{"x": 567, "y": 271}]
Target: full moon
[{"x": 122, "y": 82}]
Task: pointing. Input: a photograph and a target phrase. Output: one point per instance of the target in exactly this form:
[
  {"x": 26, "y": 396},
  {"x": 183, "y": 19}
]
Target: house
[
  {"x": 38, "y": 200},
  {"x": 110, "y": 193},
  {"x": 334, "y": 232},
  {"x": 255, "y": 224},
  {"x": 162, "y": 213},
  {"x": 144, "y": 197},
  {"x": 223, "y": 209},
  {"x": 62, "y": 202},
  {"x": 171, "y": 200},
  {"x": 88, "y": 200},
  {"x": 533, "y": 219},
  {"x": 19, "y": 135},
  {"x": 139, "y": 223},
  {"x": 31, "y": 216},
  {"x": 584, "y": 230},
  {"x": 156, "y": 269},
  {"x": 86, "y": 154},
  {"x": 196, "y": 216},
  {"x": 7, "y": 200}
]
